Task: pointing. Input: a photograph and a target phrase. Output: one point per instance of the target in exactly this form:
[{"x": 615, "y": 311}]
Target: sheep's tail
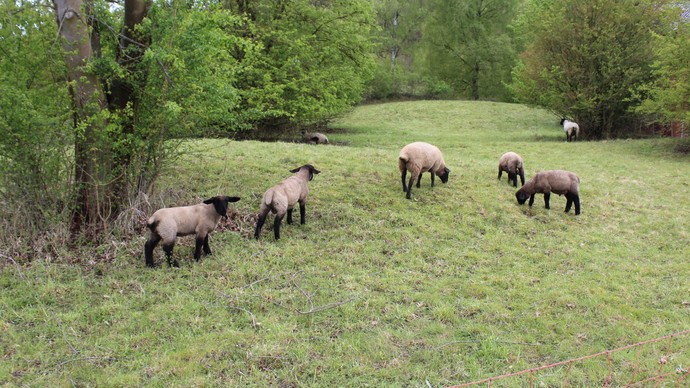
[
  {"x": 402, "y": 162},
  {"x": 152, "y": 224},
  {"x": 268, "y": 198}
]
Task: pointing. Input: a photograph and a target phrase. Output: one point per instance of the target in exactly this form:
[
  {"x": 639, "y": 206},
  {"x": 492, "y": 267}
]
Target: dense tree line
[{"x": 96, "y": 94}]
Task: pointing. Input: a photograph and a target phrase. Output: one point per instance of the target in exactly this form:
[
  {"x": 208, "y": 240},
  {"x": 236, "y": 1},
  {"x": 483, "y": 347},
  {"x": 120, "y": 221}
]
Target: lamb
[
  {"x": 168, "y": 223},
  {"x": 552, "y": 181},
  {"x": 315, "y": 138},
  {"x": 418, "y": 158},
  {"x": 572, "y": 130},
  {"x": 282, "y": 198},
  {"x": 512, "y": 163}
]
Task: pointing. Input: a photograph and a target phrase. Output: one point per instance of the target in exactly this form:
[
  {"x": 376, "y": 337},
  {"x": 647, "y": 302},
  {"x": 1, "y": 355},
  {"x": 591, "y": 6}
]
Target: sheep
[
  {"x": 315, "y": 138},
  {"x": 552, "y": 181},
  {"x": 512, "y": 163},
  {"x": 572, "y": 130},
  {"x": 168, "y": 223},
  {"x": 418, "y": 158},
  {"x": 282, "y": 198}
]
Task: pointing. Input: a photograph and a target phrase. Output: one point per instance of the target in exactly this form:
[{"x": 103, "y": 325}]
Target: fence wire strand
[{"x": 659, "y": 377}]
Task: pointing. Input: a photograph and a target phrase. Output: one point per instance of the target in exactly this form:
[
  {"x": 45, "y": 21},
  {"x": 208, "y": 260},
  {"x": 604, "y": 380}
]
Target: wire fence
[{"x": 655, "y": 362}]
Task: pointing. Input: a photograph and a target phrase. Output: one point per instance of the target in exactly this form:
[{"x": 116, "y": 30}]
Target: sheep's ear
[
  {"x": 210, "y": 200},
  {"x": 232, "y": 199},
  {"x": 295, "y": 170},
  {"x": 315, "y": 171}
]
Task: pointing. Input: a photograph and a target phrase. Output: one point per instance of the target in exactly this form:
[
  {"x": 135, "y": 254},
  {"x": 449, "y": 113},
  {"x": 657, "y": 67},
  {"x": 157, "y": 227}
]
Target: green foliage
[
  {"x": 295, "y": 63},
  {"x": 469, "y": 46},
  {"x": 35, "y": 151},
  {"x": 458, "y": 284},
  {"x": 585, "y": 59},
  {"x": 192, "y": 72},
  {"x": 398, "y": 63},
  {"x": 668, "y": 97},
  {"x": 315, "y": 59}
]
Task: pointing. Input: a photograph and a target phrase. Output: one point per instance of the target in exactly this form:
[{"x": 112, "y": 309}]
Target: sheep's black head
[
  {"x": 311, "y": 169},
  {"x": 562, "y": 120},
  {"x": 521, "y": 196},
  {"x": 444, "y": 175},
  {"x": 220, "y": 203}
]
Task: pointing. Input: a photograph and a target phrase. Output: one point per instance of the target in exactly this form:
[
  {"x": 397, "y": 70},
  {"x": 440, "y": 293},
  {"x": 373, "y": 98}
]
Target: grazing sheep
[
  {"x": 572, "y": 130},
  {"x": 511, "y": 163},
  {"x": 418, "y": 158},
  {"x": 282, "y": 198},
  {"x": 168, "y": 223},
  {"x": 315, "y": 138},
  {"x": 552, "y": 181}
]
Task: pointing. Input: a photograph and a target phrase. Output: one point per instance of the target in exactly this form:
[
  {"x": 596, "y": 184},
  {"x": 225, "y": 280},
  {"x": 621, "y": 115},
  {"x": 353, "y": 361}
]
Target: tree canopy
[{"x": 586, "y": 60}]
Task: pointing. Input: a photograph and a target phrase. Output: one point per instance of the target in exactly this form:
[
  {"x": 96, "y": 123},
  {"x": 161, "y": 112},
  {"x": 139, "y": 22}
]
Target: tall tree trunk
[
  {"x": 125, "y": 92},
  {"x": 396, "y": 47},
  {"x": 91, "y": 155}
]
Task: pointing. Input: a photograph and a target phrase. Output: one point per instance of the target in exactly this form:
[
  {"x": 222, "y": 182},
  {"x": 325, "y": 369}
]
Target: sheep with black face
[
  {"x": 418, "y": 158},
  {"x": 512, "y": 163},
  {"x": 553, "y": 181},
  {"x": 282, "y": 198},
  {"x": 168, "y": 223}
]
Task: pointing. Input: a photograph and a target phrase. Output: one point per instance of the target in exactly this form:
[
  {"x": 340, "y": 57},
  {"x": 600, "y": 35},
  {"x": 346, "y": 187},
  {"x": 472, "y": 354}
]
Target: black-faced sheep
[
  {"x": 553, "y": 181},
  {"x": 571, "y": 129},
  {"x": 512, "y": 163},
  {"x": 168, "y": 223},
  {"x": 281, "y": 199},
  {"x": 418, "y": 158},
  {"x": 315, "y": 138}
]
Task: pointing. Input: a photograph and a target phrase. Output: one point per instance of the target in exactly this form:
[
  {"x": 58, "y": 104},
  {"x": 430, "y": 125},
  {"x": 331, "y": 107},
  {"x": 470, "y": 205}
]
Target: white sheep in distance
[
  {"x": 168, "y": 223},
  {"x": 571, "y": 129},
  {"x": 283, "y": 197}
]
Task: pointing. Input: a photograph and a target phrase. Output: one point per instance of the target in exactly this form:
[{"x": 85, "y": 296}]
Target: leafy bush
[{"x": 585, "y": 59}]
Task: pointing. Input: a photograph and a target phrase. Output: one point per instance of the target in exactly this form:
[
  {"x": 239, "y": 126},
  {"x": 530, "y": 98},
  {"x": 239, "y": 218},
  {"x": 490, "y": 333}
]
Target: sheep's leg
[
  {"x": 419, "y": 180},
  {"x": 512, "y": 178},
  {"x": 569, "y": 202},
  {"x": 522, "y": 177},
  {"x": 576, "y": 199},
  {"x": 409, "y": 186},
  {"x": 168, "y": 249},
  {"x": 500, "y": 172},
  {"x": 276, "y": 225},
  {"x": 289, "y": 217},
  {"x": 433, "y": 177},
  {"x": 148, "y": 250},
  {"x": 531, "y": 199},
  {"x": 403, "y": 175},
  {"x": 207, "y": 248},
  {"x": 302, "y": 213},
  {"x": 197, "y": 248},
  {"x": 260, "y": 223},
  {"x": 547, "y": 196}
]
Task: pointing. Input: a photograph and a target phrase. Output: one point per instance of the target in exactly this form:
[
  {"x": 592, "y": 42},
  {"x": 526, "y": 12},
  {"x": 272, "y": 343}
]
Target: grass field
[{"x": 458, "y": 284}]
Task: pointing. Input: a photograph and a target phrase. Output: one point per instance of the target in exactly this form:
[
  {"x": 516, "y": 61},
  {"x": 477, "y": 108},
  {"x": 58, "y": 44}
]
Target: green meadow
[{"x": 457, "y": 284}]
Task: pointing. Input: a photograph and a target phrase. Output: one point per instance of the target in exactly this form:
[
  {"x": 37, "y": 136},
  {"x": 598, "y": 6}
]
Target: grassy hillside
[{"x": 457, "y": 284}]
